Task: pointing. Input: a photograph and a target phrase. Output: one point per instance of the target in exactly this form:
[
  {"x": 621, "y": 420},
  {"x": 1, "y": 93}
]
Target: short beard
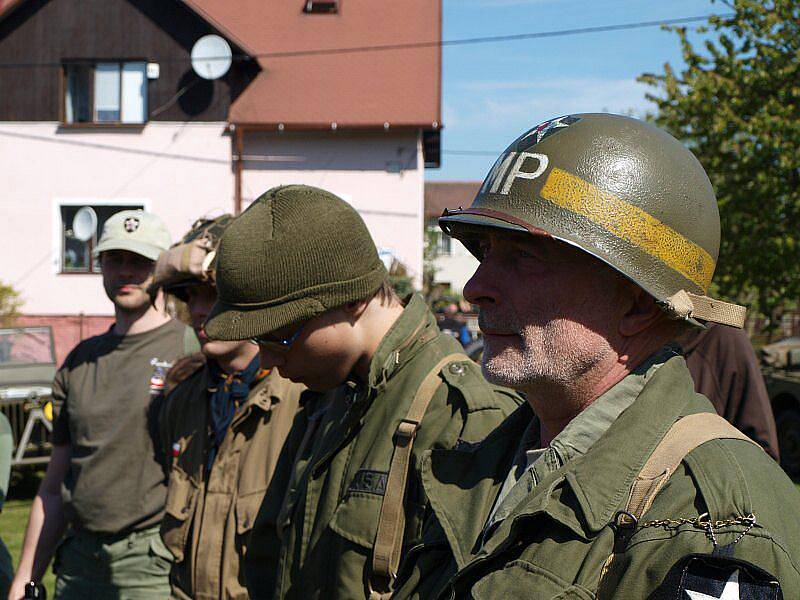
[{"x": 552, "y": 355}]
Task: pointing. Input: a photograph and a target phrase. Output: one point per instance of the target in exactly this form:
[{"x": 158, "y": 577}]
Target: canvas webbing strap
[
  {"x": 392, "y": 519},
  {"x": 683, "y": 305},
  {"x": 684, "y": 436}
]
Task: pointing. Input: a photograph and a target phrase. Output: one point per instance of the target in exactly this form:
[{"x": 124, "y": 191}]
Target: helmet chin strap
[{"x": 686, "y": 306}]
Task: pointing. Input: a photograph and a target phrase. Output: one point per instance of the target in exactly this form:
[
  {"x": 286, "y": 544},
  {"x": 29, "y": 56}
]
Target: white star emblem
[
  {"x": 542, "y": 130},
  {"x": 131, "y": 224},
  {"x": 731, "y": 591}
]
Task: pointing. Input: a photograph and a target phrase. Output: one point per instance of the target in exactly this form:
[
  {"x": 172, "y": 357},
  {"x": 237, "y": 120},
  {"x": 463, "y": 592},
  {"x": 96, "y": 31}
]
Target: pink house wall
[{"x": 182, "y": 171}]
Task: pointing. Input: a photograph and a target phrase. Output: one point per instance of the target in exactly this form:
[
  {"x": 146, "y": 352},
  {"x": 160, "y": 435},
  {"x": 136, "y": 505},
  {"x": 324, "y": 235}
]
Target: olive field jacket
[
  {"x": 557, "y": 542},
  {"x": 209, "y": 515}
]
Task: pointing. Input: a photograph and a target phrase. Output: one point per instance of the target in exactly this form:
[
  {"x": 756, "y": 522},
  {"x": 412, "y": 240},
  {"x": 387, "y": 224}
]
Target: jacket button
[
  {"x": 458, "y": 369},
  {"x": 185, "y": 510}
]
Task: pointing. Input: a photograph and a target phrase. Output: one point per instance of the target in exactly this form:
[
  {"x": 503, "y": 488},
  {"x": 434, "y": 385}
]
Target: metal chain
[{"x": 704, "y": 522}]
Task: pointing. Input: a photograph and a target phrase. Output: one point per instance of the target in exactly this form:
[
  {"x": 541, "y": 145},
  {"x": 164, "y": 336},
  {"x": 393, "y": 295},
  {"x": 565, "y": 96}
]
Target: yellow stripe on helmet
[{"x": 631, "y": 224}]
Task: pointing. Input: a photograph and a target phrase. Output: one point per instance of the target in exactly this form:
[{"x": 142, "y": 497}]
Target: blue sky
[{"x": 491, "y": 93}]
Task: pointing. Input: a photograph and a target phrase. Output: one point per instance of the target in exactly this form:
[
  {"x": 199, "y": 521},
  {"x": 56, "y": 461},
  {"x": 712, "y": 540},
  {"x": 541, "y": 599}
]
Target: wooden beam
[{"x": 238, "y": 163}]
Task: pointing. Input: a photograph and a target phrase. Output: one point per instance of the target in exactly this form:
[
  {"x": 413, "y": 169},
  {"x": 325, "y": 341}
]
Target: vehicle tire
[{"x": 788, "y": 422}]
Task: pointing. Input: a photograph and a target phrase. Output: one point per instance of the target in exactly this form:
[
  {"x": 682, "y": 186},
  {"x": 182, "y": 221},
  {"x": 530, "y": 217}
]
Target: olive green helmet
[
  {"x": 192, "y": 260},
  {"x": 620, "y": 189}
]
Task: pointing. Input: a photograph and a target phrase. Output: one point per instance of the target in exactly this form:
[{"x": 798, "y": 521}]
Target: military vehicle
[
  {"x": 27, "y": 367},
  {"x": 781, "y": 362}
]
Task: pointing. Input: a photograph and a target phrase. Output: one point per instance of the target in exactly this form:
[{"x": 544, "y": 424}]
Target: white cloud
[{"x": 527, "y": 102}]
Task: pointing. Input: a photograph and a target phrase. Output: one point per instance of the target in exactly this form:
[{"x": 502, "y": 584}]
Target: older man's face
[{"x": 548, "y": 311}]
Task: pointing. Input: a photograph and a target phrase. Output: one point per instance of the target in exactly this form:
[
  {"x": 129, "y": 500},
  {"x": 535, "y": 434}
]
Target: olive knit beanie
[{"x": 296, "y": 252}]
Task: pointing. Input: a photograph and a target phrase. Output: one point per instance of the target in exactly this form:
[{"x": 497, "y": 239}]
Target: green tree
[
  {"x": 9, "y": 305},
  {"x": 737, "y": 105}
]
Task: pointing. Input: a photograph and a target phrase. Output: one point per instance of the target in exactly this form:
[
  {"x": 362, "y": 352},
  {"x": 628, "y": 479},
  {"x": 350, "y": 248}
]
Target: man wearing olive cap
[
  {"x": 598, "y": 237},
  {"x": 104, "y": 488},
  {"x": 299, "y": 273}
]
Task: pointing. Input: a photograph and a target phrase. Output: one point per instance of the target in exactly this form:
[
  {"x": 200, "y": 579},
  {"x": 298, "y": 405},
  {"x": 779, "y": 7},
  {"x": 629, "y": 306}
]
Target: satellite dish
[
  {"x": 84, "y": 224},
  {"x": 211, "y": 57}
]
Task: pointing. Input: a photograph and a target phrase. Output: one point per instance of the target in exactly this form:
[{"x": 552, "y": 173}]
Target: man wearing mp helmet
[{"x": 598, "y": 237}]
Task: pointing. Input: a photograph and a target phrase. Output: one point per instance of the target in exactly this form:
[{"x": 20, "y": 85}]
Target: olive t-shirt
[{"x": 111, "y": 387}]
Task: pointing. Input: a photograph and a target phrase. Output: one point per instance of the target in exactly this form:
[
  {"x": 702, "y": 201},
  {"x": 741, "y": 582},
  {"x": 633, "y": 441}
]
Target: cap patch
[
  {"x": 548, "y": 128},
  {"x": 131, "y": 224}
]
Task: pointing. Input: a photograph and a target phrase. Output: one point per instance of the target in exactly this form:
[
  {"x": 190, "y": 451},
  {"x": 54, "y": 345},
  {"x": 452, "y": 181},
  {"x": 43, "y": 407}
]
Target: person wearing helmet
[
  {"x": 597, "y": 237},
  {"x": 104, "y": 487},
  {"x": 223, "y": 427},
  {"x": 316, "y": 297}
]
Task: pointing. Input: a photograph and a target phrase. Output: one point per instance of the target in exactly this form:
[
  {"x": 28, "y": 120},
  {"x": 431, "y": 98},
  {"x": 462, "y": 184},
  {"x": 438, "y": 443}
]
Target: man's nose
[{"x": 481, "y": 289}]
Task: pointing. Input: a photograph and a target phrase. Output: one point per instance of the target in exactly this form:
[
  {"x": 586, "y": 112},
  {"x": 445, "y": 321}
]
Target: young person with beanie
[{"x": 299, "y": 273}]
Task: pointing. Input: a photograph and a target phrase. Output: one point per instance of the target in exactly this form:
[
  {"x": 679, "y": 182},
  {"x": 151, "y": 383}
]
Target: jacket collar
[
  {"x": 264, "y": 395},
  {"x": 629, "y": 442},
  {"x": 583, "y": 495},
  {"x": 415, "y": 327}
]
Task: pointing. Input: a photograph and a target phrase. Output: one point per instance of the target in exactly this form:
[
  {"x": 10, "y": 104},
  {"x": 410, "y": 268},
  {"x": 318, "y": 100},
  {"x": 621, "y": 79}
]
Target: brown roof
[
  {"x": 448, "y": 194},
  {"x": 400, "y": 87},
  {"x": 360, "y": 89}
]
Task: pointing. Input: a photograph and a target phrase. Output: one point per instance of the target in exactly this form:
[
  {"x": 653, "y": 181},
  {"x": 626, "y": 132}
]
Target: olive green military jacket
[
  {"x": 209, "y": 515},
  {"x": 328, "y": 520},
  {"x": 557, "y": 541}
]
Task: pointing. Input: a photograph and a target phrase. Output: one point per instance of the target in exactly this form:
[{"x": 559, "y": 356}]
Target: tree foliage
[
  {"x": 9, "y": 305},
  {"x": 737, "y": 105}
]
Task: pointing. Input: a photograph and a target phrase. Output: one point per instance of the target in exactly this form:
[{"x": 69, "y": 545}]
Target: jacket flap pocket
[
  {"x": 180, "y": 495},
  {"x": 356, "y": 518},
  {"x": 247, "y": 508}
]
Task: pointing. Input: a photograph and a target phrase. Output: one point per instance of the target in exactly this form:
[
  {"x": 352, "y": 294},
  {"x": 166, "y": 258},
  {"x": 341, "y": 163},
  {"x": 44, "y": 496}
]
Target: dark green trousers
[{"x": 104, "y": 567}]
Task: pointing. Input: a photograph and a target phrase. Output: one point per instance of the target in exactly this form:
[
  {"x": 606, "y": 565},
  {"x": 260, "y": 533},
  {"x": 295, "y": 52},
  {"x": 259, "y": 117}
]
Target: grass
[{"x": 15, "y": 518}]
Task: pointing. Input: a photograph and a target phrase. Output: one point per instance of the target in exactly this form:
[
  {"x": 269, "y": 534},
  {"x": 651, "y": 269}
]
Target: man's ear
[{"x": 642, "y": 313}]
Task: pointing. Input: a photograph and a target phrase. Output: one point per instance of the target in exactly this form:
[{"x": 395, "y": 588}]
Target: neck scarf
[{"x": 227, "y": 394}]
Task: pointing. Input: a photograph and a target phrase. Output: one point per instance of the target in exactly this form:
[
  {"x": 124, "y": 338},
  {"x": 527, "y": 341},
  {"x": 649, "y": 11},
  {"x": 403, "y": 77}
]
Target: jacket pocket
[
  {"x": 181, "y": 499},
  {"x": 356, "y": 518},
  {"x": 521, "y": 579},
  {"x": 247, "y": 508}
]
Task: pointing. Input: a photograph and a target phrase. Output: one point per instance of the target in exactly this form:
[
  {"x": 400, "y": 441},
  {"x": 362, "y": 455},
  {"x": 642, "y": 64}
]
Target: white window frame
[
  {"x": 123, "y": 76},
  {"x": 56, "y": 241}
]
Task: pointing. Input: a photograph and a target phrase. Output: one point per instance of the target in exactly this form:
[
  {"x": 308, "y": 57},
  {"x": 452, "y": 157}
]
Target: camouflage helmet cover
[
  {"x": 622, "y": 190},
  {"x": 193, "y": 259}
]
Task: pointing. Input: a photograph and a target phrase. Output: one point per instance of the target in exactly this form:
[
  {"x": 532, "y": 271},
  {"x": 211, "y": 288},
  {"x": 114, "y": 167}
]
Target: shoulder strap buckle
[{"x": 407, "y": 429}]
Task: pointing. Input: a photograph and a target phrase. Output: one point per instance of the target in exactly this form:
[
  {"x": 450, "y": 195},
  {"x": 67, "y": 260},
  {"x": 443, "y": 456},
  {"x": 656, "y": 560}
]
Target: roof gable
[{"x": 359, "y": 89}]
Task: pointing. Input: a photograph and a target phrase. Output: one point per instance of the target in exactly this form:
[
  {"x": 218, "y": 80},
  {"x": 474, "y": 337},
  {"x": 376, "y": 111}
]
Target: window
[
  {"x": 321, "y": 7},
  {"x": 76, "y": 256},
  {"x": 436, "y": 240},
  {"x": 105, "y": 92},
  {"x": 443, "y": 244}
]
